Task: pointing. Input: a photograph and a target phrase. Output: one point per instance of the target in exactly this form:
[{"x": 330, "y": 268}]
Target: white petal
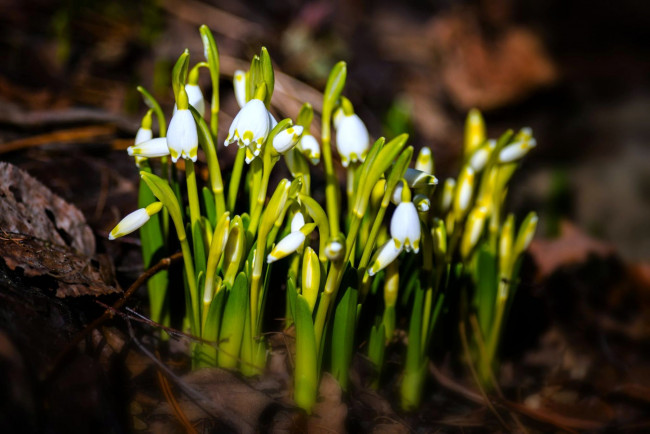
[
  {"x": 405, "y": 226},
  {"x": 448, "y": 194},
  {"x": 297, "y": 222},
  {"x": 352, "y": 139},
  {"x": 253, "y": 123},
  {"x": 310, "y": 148},
  {"x": 386, "y": 254},
  {"x": 182, "y": 137},
  {"x": 396, "y": 197},
  {"x": 143, "y": 135},
  {"x": 334, "y": 250},
  {"x": 424, "y": 161},
  {"x": 130, "y": 223},
  {"x": 286, "y": 139},
  {"x": 153, "y": 148},
  {"x": 195, "y": 97},
  {"x": 286, "y": 246},
  {"x": 239, "y": 83},
  {"x": 516, "y": 151}
]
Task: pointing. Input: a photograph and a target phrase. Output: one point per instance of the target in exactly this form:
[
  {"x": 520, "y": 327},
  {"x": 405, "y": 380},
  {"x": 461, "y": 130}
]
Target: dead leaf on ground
[
  {"x": 573, "y": 246},
  {"x": 45, "y": 236}
]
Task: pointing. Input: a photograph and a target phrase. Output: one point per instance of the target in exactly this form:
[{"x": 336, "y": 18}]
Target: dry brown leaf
[
  {"x": 44, "y": 235},
  {"x": 571, "y": 247}
]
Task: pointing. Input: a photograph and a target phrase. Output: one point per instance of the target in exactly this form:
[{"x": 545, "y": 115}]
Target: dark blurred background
[{"x": 577, "y": 72}]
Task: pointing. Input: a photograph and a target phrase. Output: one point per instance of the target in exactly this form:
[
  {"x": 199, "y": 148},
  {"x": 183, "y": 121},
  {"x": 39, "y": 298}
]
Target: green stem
[
  {"x": 256, "y": 212},
  {"x": 235, "y": 179},
  {"x": 195, "y": 215},
  {"x": 191, "y": 282},
  {"x": 331, "y": 186}
]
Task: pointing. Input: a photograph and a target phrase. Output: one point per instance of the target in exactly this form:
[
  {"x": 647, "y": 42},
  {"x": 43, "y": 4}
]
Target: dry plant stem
[
  {"x": 108, "y": 313},
  {"x": 171, "y": 399}
]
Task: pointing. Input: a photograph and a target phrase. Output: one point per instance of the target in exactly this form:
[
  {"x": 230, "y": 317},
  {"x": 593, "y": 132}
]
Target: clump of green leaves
[{"x": 339, "y": 263}]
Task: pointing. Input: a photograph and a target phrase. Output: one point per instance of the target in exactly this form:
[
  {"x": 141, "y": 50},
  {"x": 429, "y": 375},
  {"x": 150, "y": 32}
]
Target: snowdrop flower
[
  {"x": 286, "y": 139},
  {"x": 150, "y": 149},
  {"x": 424, "y": 162},
  {"x": 134, "y": 221},
  {"x": 405, "y": 226},
  {"x": 479, "y": 159},
  {"x": 352, "y": 139},
  {"x": 516, "y": 151},
  {"x": 250, "y": 127},
  {"x": 334, "y": 249},
  {"x": 239, "y": 83},
  {"x": 384, "y": 256},
  {"x": 447, "y": 194},
  {"x": 286, "y": 246},
  {"x": 182, "y": 138},
  {"x": 310, "y": 148},
  {"x": 422, "y": 202}
]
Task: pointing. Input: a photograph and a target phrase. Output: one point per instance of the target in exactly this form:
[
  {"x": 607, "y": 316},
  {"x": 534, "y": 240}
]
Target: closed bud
[
  {"x": 286, "y": 139},
  {"x": 439, "y": 237},
  {"x": 310, "y": 148},
  {"x": 422, "y": 203},
  {"x": 335, "y": 249},
  {"x": 448, "y": 191},
  {"x": 384, "y": 256},
  {"x": 506, "y": 240},
  {"x": 391, "y": 284},
  {"x": 526, "y": 233},
  {"x": 516, "y": 151},
  {"x": 150, "y": 149},
  {"x": 417, "y": 178},
  {"x": 239, "y": 83},
  {"x": 135, "y": 220},
  {"x": 480, "y": 157},
  {"x": 464, "y": 192},
  {"x": 424, "y": 161},
  {"x": 473, "y": 231},
  {"x": 310, "y": 277},
  {"x": 474, "y": 131},
  {"x": 405, "y": 227}
]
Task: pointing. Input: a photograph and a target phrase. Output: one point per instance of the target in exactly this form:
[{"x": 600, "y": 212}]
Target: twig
[
  {"x": 108, "y": 313},
  {"x": 173, "y": 402}
]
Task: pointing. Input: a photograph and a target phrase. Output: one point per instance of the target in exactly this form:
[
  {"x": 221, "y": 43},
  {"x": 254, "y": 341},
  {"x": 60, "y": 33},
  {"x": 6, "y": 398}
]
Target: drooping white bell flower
[
  {"x": 287, "y": 139},
  {"x": 182, "y": 138},
  {"x": 150, "y": 149},
  {"x": 384, "y": 256},
  {"x": 286, "y": 246},
  {"x": 352, "y": 139},
  {"x": 250, "y": 127},
  {"x": 134, "y": 221},
  {"x": 310, "y": 148},
  {"x": 239, "y": 83},
  {"x": 405, "y": 226}
]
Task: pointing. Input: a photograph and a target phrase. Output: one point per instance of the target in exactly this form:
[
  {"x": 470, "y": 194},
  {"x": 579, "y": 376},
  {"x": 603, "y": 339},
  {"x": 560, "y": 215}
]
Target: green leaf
[
  {"x": 305, "y": 116},
  {"x": 208, "y": 202},
  {"x": 232, "y": 329},
  {"x": 486, "y": 279},
  {"x": 343, "y": 336},
  {"x": 211, "y": 327},
  {"x": 151, "y": 102},
  {"x": 164, "y": 193},
  {"x": 179, "y": 72},
  {"x": 415, "y": 364},
  {"x": 334, "y": 87},
  {"x": 268, "y": 77},
  {"x": 376, "y": 350},
  {"x": 212, "y": 56},
  {"x": 306, "y": 374}
]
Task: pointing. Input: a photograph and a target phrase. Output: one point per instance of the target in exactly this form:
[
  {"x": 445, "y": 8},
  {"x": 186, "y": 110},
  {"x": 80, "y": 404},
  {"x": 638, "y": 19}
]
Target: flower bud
[
  {"x": 391, "y": 284},
  {"x": 424, "y": 161},
  {"x": 286, "y": 139},
  {"x": 286, "y": 246},
  {"x": 135, "y": 220},
  {"x": 480, "y": 157},
  {"x": 439, "y": 237},
  {"x": 448, "y": 191},
  {"x": 464, "y": 192},
  {"x": 474, "y": 131},
  {"x": 417, "y": 178},
  {"x": 384, "y": 256},
  {"x": 310, "y": 277},
  {"x": 182, "y": 137},
  {"x": 505, "y": 246},
  {"x": 473, "y": 231},
  {"x": 239, "y": 83},
  {"x": 310, "y": 148},
  {"x": 422, "y": 203},
  {"x": 526, "y": 233},
  {"x": 516, "y": 151},
  {"x": 297, "y": 222},
  {"x": 150, "y": 149},
  {"x": 352, "y": 139},
  {"x": 335, "y": 249}
]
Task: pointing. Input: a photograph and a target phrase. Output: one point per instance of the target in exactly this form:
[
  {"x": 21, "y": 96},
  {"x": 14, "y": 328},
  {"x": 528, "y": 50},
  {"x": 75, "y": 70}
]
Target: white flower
[
  {"x": 239, "y": 83},
  {"x": 405, "y": 227},
  {"x": 384, "y": 256},
  {"x": 310, "y": 148},
  {"x": 297, "y": 222},
  {"x": 447, "y": 194},
  {"x": 143, "y": 135},
  {"x": 516, "y": 151},
  {"x": 150, "y": 149},
  {"x": 182, "y": 138},
  {"x": 134, "y": 221},
  {"x": 334, "y": 250},
  {"x": 286, "y": 139},
  {"x": 250, "y": 127},
  {"x": 286, "y": 246},
  {"x": 464, "y": 191},
  {"x": 195, "y": 97},
  {"x": 352, "y": 139}
]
